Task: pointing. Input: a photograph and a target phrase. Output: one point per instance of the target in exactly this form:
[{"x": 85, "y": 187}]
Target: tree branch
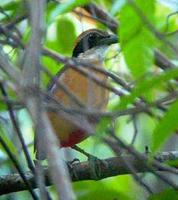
[{"x": 82, "y": 171}]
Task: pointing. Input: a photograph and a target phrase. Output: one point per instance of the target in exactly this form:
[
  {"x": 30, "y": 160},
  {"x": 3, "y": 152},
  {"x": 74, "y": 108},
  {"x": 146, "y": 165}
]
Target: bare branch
[
  {"x": 17, "y": 128},
  {"x": 82, "y": 171},
  {"x": 24, "y": 179}
]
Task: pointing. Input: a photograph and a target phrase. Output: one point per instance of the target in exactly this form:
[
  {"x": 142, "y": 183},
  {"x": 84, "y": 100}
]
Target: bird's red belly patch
[{"x": 74, "y": 138}]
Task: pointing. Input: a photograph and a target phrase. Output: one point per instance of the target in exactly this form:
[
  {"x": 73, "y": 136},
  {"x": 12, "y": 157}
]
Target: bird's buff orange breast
[{"x": 88, "y": 92}]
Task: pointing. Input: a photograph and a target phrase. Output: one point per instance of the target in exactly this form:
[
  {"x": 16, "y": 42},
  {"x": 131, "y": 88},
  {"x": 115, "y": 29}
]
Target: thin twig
[
  {"x": 128, "y": 165},
  {"x": 25, "y": 180},
  {"x": 135, "y": 129},
  {"x": 17, "y": 129},
  {"x": 143, "y": 159}
]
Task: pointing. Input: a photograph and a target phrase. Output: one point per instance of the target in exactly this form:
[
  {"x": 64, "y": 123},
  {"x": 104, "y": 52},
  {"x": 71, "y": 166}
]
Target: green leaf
[
  {"x": 145, "y": 85},
  {"x": 53, "y": 67},
  {"x": 12, "y": 5},
  {"x": 102, "y": 126},
  {"x": 169, "y": 194},
  {"x": 8, "y": 142},
  {"x": 97, "y": 190},
  {"x": 64, "y": 39},
  {"x": 137, "y": 41},
  {"x": 166, "y": 126},
  {"x": 66, "y": 35},
  {"x": 14, "y": 8}
]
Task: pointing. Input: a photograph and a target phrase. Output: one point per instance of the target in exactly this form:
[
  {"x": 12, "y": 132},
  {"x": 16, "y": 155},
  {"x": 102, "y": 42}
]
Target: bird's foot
[
  {"x": 96, "y": 164},
  {"x": 96, "y": 167},
  {"x": 70, "y": 165},
  {"x": 75, "y": 160}
]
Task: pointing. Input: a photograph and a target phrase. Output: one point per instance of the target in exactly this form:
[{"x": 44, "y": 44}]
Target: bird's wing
[{"x": 52, "y": 82}]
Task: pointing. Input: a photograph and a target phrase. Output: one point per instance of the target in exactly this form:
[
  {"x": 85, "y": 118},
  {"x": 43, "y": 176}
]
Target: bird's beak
[{"x": 111, "y": 39}]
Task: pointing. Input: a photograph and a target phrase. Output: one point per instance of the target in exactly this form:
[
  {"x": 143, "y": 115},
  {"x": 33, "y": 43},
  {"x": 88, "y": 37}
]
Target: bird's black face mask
[{"x": 93, "y": 38}]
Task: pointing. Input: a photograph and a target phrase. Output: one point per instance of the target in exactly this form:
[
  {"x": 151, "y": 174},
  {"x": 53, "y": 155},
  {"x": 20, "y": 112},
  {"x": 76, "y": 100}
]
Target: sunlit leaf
[
  {"x": 98, "y": 190},
  {"x": 66, "y": 35},
  {"x": 147, "y": 84},
  {"x": 135, "y": 37},
  {"x": 166, "y": 126},
  {"x": 12, "y": 5},
  {"x": 53, "y": 67},
  {"x": 8, "y": 142},
  {"x": 13, "y": 9},
  {"x": 102, "y": 126}
]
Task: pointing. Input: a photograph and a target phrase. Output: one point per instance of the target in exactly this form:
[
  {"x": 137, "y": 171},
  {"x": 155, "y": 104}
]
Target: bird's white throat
[{"x": 98, "y": 52}]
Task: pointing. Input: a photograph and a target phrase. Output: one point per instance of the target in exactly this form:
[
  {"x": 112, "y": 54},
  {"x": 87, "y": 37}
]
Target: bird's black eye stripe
[{"x": 92, "y": 36}]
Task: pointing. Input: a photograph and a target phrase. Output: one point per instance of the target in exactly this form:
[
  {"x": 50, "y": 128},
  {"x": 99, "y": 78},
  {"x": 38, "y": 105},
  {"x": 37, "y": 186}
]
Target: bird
[{"x": 90, "y": 47}]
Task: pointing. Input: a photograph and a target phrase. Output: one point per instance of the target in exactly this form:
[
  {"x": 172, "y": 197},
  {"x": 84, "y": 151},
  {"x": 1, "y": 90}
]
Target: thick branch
[{"x": 83, "y": 171}]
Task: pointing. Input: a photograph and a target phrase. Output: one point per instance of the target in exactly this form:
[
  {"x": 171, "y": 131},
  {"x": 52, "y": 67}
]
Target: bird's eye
[{"x": 91, "y": 37}]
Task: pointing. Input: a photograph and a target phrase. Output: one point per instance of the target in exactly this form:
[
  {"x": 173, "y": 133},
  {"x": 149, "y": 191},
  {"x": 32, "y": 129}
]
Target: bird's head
[{"x": 93, "y": 39}]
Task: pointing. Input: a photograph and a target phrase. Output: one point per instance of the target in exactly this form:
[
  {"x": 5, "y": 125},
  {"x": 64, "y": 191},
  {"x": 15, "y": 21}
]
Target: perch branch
[{"x": 82, "y": 171}]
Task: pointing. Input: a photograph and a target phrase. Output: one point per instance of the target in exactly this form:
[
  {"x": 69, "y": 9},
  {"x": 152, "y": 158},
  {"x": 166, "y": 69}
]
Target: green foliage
[
  {"x": 63, "y": 41},
  {"x": 136, "y": 39},
  {"x": 11, "y": 5},
  {"x": 8, "y": 142},
  {"x": 66, "y": 35},
  {"x": 98, "y": 190},
  {"x": 14, "y": 8},
  {"x": 104, "y": 122},
  {"x": 165, "y": 195},
  {"x": 147, "y": 84},
  {"x": 166, "y": 126}
]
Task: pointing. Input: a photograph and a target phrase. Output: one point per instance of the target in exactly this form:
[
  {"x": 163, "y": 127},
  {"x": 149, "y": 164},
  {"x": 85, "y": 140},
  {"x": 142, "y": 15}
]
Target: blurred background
[{"x": 64, "y": 22}]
